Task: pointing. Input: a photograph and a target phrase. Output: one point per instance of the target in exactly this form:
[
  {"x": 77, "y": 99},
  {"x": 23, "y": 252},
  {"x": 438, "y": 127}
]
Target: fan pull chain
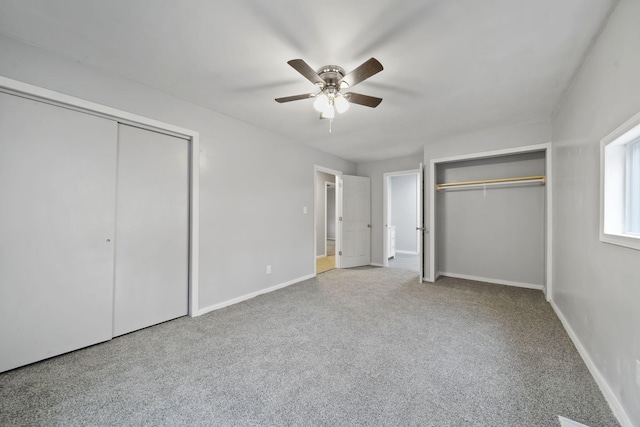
[{"x": 330, "y": 123}]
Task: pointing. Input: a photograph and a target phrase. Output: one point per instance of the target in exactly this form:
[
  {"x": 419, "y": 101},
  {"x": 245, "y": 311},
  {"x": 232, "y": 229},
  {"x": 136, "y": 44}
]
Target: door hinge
[
  {"x": 339, "y": 218},
  {"x": 340, "y": 253}
]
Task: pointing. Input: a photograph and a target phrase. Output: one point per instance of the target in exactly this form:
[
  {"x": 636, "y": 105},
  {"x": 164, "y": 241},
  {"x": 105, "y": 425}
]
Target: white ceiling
[{"x": 450, "y": 65}]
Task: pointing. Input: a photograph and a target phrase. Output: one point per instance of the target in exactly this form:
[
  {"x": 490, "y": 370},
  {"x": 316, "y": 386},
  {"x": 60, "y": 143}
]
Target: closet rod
[{"x": 539, "y": 178}]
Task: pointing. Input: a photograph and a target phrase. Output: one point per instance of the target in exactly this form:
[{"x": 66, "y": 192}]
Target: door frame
[
  {"x": 25, "y": 90},
  {"x": 546, "y": 148},
  {"x": 317, "y": 169},
  {"x": 386, "y": 205}
]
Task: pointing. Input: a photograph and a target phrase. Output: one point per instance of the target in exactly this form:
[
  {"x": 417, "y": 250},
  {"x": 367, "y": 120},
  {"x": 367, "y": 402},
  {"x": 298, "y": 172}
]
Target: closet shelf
[{"x": 517, "y": 180}]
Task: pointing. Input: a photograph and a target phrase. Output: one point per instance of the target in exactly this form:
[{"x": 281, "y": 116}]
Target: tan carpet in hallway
[{"x": 325, "y": 264}]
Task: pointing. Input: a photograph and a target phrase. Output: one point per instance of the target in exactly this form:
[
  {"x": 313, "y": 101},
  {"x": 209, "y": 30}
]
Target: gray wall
[
  {"x": 476, "y": 142},
  {"x": 597, "y": 285},
  {"x": 321, "y": 182},
  {"x": 497, "y": 234},
  {"x": 376, "y": 171},
  {"x": 403, "y": 209},
  {"x": 253, "y": 183}
]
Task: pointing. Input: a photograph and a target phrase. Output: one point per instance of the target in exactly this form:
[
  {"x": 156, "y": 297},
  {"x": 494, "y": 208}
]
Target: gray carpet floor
[{"x": 363, "y": 347}]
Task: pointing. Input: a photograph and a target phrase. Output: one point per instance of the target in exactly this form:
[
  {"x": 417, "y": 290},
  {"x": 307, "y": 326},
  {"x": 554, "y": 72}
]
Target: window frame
[{"x": 615, "y": 184}]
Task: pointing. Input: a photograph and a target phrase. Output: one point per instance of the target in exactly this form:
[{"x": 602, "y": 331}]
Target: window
[
  {"x": 620, "y": 185},
  {"x": 632, "y": 197}
]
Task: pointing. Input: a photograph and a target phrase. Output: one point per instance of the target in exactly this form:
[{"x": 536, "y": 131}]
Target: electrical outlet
[
  {"x": 268, "y": 269},
  {"x": 638, "y": 373},
  {"x": 304, "y": 210}
]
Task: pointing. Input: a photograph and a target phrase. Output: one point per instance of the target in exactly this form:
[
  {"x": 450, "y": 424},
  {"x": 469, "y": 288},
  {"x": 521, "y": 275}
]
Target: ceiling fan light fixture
[
  {"x": 329, "y": 113},
  {"x": 321, "y": 103},
  {"x": 331, "y": 80},
  {"x": 341, "y": 103}
]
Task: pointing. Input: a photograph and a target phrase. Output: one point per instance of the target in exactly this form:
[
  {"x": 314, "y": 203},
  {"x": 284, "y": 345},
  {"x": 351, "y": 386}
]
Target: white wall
[
  {"x": 403, "y": 202},
  {"x": 477, "y": 142},
  {"x": 376, "y": 171},
  {"x": 322, "y": 179},
  {"x": 497, "y": 235},
  {"x": 253, "y": 183},
  {"x": 597, "y": 285}
]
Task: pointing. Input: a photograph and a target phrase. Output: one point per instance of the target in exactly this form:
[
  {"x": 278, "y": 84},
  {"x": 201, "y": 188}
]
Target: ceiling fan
[{"x": 331, "y": 80}]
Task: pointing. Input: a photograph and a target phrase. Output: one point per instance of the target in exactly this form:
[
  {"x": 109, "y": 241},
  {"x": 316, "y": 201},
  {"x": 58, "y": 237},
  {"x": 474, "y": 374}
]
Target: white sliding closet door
[
  {"x": 57, "y": 194},
  {"x": 152, "y": 229}
]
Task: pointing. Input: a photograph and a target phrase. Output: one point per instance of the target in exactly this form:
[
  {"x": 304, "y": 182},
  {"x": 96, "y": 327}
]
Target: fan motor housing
[{"x": 331, "y": 74}]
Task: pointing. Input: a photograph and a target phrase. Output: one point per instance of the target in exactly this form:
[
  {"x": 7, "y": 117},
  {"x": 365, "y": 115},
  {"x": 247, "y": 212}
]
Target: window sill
[{"x": 626, "y": 240}]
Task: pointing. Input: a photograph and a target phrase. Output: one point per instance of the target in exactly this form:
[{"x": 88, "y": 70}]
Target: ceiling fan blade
[
  {"x": 308, "y": 72},
  {"x": 366, "y": 100},
  {"x": 363, "y": 72},
  {"x": 294, "y": 98}
]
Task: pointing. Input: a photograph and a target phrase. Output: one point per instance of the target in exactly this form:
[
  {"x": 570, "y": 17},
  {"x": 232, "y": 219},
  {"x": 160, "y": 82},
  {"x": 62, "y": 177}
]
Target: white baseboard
[
  {"x": 321, "y": 256},
  {"x": 489, "y": 280},
  {"x": 376, "y": 264},
  {"x": 566, "y": 422},
  {"x": 252, "y": 295},
  {"x": 406, "y": 252},
  {"x": 606, "y": 390}
]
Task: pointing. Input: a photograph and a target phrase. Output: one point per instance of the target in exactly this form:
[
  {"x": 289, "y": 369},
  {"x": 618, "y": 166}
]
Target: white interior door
[
  {"x": 152, "y": 229},
  {"x": 57, "y": 196},
  {"x": 355, "y": 198}
]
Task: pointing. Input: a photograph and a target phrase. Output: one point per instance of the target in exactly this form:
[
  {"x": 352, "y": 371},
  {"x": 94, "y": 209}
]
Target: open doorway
[
  {"x": 330, "y": 218},
  {"x": 349, "y": 217},
  {"x": 326, "y": 221},
  {"x": 403, "y": 220}
]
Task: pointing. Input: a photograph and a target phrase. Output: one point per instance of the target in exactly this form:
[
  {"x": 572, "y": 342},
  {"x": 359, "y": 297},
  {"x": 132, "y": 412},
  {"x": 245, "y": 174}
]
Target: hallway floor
[{"x": 405, "y": 261}]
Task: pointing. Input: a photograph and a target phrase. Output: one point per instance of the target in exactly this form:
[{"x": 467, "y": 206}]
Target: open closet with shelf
[{"x": 491, "y": 219}]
